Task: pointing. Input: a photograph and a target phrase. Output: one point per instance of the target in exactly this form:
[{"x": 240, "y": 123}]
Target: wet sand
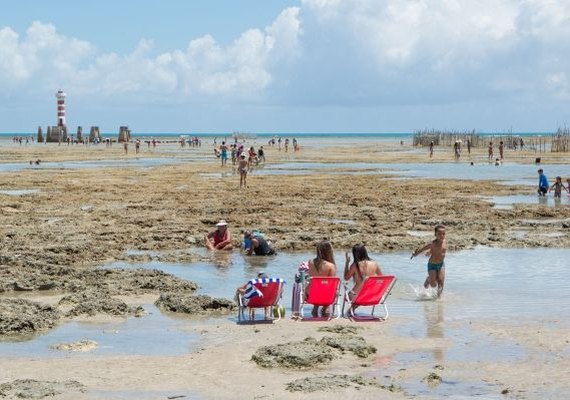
[{"x": 77, "y": 219}]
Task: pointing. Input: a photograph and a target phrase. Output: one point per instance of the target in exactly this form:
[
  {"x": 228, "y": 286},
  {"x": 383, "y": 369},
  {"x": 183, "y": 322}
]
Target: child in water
[
  {"x": 436, "y": 268},
  {"x": 558, "y": 186}
]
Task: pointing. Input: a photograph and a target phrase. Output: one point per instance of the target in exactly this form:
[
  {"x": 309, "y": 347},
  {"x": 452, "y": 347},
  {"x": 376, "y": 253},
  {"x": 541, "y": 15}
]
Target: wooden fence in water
[{"x": 559, "y": 142}]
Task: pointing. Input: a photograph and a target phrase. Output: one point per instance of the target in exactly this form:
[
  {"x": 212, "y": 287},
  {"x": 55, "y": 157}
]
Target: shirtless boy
[{"x": 436, "y": 268}]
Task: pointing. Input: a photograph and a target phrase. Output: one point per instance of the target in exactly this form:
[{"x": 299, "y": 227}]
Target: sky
[{"x": 285, "y": 66}]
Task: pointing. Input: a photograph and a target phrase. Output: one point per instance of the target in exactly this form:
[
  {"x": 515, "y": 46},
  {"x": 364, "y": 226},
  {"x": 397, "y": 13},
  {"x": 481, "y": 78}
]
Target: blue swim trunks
[{"x": 435, "y": 267}]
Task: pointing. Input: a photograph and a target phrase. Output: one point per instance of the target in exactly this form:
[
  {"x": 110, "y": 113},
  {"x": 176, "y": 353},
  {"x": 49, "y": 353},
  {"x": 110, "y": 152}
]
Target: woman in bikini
[
  {"x": 322, "y": 265},
  {"x": 361, "y": 268}
]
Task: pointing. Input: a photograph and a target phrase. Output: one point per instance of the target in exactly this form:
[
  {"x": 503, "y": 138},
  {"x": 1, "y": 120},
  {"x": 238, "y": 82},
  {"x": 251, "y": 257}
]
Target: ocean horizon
[{"x": 383, "y": 135}]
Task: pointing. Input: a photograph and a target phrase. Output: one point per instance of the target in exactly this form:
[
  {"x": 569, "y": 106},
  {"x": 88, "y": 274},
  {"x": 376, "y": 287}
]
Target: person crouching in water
[
  {"x": 256, "y": 244},
  {"x": 219, "y": 239}
]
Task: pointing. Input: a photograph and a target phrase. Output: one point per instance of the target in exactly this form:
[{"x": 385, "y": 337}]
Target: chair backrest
[
  {"x": 374, "y": 290},
  {"x": 323, "y": 290},
  {"x": 271, "y": 290}
]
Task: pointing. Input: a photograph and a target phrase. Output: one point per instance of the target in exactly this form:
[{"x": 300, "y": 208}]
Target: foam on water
[{"x": 424, "y": 294}]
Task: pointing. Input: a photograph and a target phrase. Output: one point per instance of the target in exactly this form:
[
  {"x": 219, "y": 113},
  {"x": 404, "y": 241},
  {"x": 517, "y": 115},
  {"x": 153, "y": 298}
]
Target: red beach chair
[
  {"x": 374, "y": 291},
  {"x": 322, "y": 291},
  {"x": 261, "y": 293}
]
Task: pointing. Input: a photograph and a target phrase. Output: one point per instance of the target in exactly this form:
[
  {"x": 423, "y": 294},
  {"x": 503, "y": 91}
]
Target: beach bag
[{"x": 300, "y": 276}]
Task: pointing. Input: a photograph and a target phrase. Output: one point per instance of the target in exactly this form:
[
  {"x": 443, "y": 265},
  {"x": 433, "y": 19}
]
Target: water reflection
[
  {"x": 433, "y": 314},
  {"x": 222, "y": 259}
]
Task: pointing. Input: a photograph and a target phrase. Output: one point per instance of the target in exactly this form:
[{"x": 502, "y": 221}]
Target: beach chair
[
  {"x": 322, "y": 291},
  {"x": 374, "y": 291},
  {"x": 263, "y": 293}
]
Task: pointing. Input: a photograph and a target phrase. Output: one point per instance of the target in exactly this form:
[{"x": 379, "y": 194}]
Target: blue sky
[{"x": 283, "y": 66}]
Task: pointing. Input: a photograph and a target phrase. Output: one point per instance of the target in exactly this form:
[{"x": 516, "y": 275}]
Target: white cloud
[
  {"x": 349, "y": 52},
  {"x": 45, "y": 59},
  {"x": 410, "y": 51}
]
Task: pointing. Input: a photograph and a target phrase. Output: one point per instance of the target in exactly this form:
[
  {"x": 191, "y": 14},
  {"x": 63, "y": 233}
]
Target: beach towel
[{"x": 251, "y": 291}]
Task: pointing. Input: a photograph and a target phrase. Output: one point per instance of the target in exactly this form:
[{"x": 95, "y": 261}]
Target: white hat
[
  {"x": 242, "y": 154},
  {"x": 222, "y": 223}
]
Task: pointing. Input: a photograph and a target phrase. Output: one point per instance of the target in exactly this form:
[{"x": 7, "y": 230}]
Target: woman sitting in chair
[
  {"x": 322, "y": 265},
  {"x": 361, "y": 268}
]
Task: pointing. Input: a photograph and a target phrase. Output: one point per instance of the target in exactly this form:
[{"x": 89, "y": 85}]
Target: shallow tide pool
[{"x": 504, "y": 286}]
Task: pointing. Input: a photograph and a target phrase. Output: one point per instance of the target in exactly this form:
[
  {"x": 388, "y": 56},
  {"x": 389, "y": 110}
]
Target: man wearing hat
[{"x": 220, "y": 239}]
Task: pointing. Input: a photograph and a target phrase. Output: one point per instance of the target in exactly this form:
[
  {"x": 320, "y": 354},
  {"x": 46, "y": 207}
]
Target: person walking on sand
[
  {"x": 431, "y": 149},
  {"x": 456, "y": 150},
  {"x": 436, "y": 268},
  {"x": 219, "y": 239},
  {"x": 361, "y": 268},
  {"x": 243, "y": 166},
  {"x": 557, "y": 187},
  {"x": 542, "y": 183},
  {"x": 224, "y": 154}
]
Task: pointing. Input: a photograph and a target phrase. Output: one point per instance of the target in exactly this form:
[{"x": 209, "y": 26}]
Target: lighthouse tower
[{"x": 60, "y": 107}]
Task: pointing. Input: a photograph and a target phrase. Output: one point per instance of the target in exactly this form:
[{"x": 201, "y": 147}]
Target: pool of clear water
[
  {"x": 143, "y": 162},
  {"x": 128, "y": 336},
  {"x": 524, "y": 174},
  {"x": 508, "y": 286},
  {"x": 19, "y": 192},
  {"x": 507, "y": 202}
]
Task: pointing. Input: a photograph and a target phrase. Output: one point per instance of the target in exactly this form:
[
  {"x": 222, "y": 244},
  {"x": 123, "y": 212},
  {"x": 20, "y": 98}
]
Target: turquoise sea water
[{"x": 298, "y": 135}]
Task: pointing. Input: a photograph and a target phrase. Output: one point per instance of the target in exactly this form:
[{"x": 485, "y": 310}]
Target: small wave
[{"x": 423, "y": 294}]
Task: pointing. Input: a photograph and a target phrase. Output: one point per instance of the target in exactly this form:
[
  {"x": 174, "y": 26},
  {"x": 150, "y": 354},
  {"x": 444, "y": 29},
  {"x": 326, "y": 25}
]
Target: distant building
[{"x": 124, "y": 134}]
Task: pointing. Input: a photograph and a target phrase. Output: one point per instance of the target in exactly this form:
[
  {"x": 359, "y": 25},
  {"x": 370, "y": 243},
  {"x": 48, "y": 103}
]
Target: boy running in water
[{"x": 436, "y": 268}]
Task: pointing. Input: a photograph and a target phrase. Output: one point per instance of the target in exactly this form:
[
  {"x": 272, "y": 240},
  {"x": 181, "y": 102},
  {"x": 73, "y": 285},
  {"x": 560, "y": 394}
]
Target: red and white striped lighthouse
[{"x": 60, "y": 107}]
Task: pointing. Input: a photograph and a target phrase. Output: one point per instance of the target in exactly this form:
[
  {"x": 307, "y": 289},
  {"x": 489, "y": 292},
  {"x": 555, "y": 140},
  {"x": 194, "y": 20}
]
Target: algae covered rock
[
  {"x": 96, "y": 302},
  {"x": 340, "y": 329},
  {"x": 335, "y": 382},
  {"x": 194, "y": 304},
  {"x": 352, "y": 343},
  {"x": 308, "y": 353},
  {"x": 33, "y": 389},
  {"x": 20, "y": 316}
]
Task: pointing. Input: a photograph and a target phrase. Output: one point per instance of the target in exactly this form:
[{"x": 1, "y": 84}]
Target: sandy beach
[{"x": 68, "y": 222}]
